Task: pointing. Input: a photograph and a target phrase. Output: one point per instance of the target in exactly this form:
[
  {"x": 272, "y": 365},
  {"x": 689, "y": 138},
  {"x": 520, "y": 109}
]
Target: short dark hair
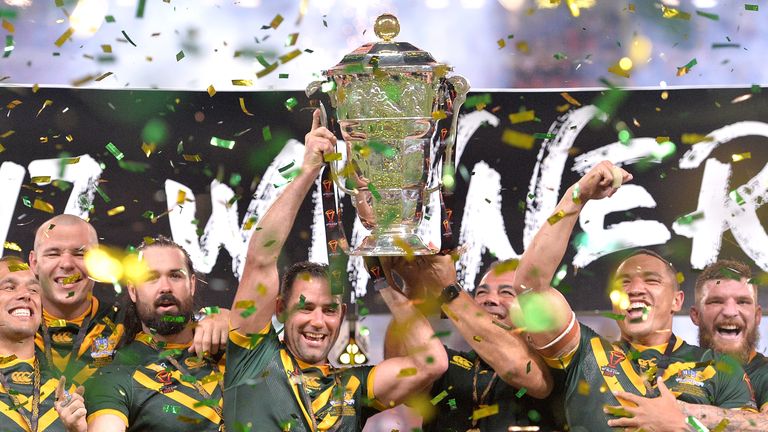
[
  {"x": 163, "y": 241},
  {"x": 311, "y": 269},
  {"x": 670, "y": 267},
  {"x": 723, "y": 269}
]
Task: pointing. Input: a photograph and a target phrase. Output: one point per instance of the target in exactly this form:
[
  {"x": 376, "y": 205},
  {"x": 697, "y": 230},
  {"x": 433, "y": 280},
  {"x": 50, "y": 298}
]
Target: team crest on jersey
[
  {"x": 689, "y": 377},
  {"x": 461, "y": 362},
  {"x": 611, "y": 369},
  {"x": 102, "y": 352},
  {"x": 165, "y": 378},
  {"x": 62, "y": 337},
  {"x": 24, "y": 378},
  {"x": 345, "y": 407}
]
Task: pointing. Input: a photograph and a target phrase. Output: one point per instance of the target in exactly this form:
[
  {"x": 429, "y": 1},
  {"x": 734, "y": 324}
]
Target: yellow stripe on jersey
[
  {"x": 113, "y": 412},
  {"x": 371, "y": 394},
  {"x": 13, "y": 415},
  {"x": 244, "y": 341},
  {"x": 178, "y": 396},
  {"x": 288, "y": 366},
  {"x": 47, "y": 419},
  {"x": 613, "y": 383}
]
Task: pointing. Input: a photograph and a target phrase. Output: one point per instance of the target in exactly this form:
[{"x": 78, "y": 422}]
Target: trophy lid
[{"x": 386, "y": 54}]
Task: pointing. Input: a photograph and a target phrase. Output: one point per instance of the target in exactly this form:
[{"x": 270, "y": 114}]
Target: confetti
[
  {"x": 485, "y": 412},
  {"x": 9, "y": 46},
  {"x": 506, "y": 266},
  {"x": 128, "y": 38},
  {"x": 192, "y": 157},
  {"x": 502, "y": 43},
  {"x": 682, "y": 70},
  {"x": 518, "y": 139},
  {"x": 291, "y": 103},
  {"x": 439, "y": 115},
  {"x": 571, "y": 100},
  {"x": 329, "y": 157},
  {"x": 522, "y": 116},
  {"x": 148, "y": 149},
  {"x": 672, "y": 13},
  {"x": 478, "y": 100},
  {"x": 266, "y": 71},
  {"x": 47, "y": 103},
  {"x": 713, "y": 17},
  {"x": 613, "y": 316},
  {"x": 115, "y": 211},
  {"x": 523, "y": 47},
  {"x": 556, "y": 217},
  {"x": 43, "y": 206},
  {"x": 696, "y": 424},
  {"x": 692, "y": 138},
  {"x": 8, "y": 26},
  {"x": 101, "y": 77},
  {"x": 275, "y": 22},
  {"x": 63, "y": 38},
  {"x": 751, "y": 7},
  {"x": 725, "y": 45},
  {"x": 12, "y": 246},
  {"x": 690, "y": 218},
  {"x": 540, "y": 135},
  {"x": 243, "y": 108},
  {"x": 521, "y": 392},
  {"x": 406, "y": 372},
  {"x": 115, "y": 151},
  {"x": 266, "y": 133},
  {"x": 223, "y": 143},
  {"x": 40, "y": 179},
  {"x": 242, "y": 82},
  {"x": 285, "y": 58},
  {"x": 374, "y": 191},
  {"x": 741, "y": 156}
]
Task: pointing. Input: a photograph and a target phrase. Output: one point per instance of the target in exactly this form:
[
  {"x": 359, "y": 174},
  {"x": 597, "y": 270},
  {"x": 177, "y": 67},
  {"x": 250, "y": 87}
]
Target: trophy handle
[
  {"x": 334, "y": 165},
  {"x": 461, "y": 86}
]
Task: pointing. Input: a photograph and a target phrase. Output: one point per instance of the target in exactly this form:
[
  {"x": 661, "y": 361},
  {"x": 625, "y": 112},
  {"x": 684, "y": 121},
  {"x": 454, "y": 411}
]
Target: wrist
[{"x": 449, "y": 293}]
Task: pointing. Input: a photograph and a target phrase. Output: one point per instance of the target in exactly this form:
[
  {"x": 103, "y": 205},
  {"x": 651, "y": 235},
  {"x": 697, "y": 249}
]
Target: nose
[
  {"x": 490, "y": 299},
  {"x": 636, "y": 286},
  {"x": 67, "y": 261},
  {"x": 316, "y": 318},
  {"x": 730, "y": 308},
  {"x": 164, "y": 284}
]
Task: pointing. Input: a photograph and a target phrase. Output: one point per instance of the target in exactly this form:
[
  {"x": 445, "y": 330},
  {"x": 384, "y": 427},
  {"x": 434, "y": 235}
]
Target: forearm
[
  {"x": 730, "y": 419},
  {"x": 543, "y": 255},
  {"x": 413, "y": 334},
  {"x": 504, "y": 349}
]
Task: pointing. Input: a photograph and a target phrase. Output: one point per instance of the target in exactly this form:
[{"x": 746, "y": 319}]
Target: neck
[
  {"x": 654, "y": 339},
  {"x": 183, "y": 337},
  {"x": 67, "y": 311},
  {"x": 23, "y": 348}
]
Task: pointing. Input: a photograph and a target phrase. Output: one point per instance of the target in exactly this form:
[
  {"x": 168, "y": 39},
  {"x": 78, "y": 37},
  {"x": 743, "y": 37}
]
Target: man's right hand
[
  {"x": 602, "y": 181},
  {"x": 318, "y": 142},
  {"x": 424, "y": 276}
]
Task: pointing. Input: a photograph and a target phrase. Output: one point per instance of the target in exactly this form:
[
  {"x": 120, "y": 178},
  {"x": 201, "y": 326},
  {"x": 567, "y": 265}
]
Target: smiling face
[
  {"x": 20, "y": 309},
  {"x": 727, "y": 314},
  {"x": 496, "y": 295},
  {"x": 164, "y": 301},
  {"x": 313, "y": 319},
  {"x": 57, "y": 260},
  {"x": 653, "y": 299}
]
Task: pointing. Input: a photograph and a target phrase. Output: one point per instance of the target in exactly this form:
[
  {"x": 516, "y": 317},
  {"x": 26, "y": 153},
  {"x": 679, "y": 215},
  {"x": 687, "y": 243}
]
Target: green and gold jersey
[
  {"x": 267, "y": 388},
  {"x": 757, "y": 370},
  {"x": 20, "y": 376},
  {"x": 97, "y": 341},
  {"x": 469, "y": 379},
  {"x": 149, "y": 393},
  {"x": 597, "y": 368}
]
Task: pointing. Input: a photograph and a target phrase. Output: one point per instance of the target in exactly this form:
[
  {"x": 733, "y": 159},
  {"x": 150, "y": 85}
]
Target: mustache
[{"x": 167, "y": 298}]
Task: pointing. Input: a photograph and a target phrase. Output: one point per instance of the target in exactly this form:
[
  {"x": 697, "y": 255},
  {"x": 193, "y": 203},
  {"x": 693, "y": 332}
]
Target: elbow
[{"x": 438, "y": 364}]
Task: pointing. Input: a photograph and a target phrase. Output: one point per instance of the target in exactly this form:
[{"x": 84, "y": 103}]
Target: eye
[
  {"x": 330, "y": 310},
  {"x": 507, "y": 293}
]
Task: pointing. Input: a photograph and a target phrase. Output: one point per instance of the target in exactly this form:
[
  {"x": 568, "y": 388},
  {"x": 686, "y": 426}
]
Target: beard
[
  {"x": 166, "y": 323},
  {"x": 741, "y": 353}
]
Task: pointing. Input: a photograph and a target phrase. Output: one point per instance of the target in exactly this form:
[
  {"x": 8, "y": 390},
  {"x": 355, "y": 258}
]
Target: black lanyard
[
  {"x": 480, "y": 401},
  {"x": 31, "y": 423},
  {"x": 299, "y": 374},
  {"x": 78, "y": 342},
  {"x": 663, "y": 363}
]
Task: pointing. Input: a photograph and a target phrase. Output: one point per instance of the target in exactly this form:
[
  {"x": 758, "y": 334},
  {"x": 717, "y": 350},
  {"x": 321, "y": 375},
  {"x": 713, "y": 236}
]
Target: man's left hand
[
  {"x": 211, "y": 334},
  {"x": 70, "y": 407},
  {"x": 660, "y": 414}
]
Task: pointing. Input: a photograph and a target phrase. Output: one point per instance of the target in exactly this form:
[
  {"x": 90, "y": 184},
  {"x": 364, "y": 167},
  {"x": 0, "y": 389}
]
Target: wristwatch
[{"x": 450, "y": 292}]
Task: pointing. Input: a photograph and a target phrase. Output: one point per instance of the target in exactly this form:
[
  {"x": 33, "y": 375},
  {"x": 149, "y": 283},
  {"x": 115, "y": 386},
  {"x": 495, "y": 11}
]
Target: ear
[
  {"x": 192, "y": 284},
  {"x": 677, "y": 301},
  {"x": 132, "y": 292},
  {"x": 695, "y": 317},
  {"x": 280, "y": 311},
  {"x": 33, "y": 261}
]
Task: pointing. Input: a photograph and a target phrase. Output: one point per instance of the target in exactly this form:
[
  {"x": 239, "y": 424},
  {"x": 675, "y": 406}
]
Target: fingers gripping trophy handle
[{"x": 460, "y": 86}]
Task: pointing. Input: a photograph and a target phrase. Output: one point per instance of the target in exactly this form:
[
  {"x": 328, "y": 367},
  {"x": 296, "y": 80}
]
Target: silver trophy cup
[{"x": 389, "y": 98}]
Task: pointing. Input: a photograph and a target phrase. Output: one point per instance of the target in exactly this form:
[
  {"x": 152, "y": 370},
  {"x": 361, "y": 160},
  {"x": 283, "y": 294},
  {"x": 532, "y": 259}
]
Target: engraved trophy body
[{"x": 397, "y": 112}]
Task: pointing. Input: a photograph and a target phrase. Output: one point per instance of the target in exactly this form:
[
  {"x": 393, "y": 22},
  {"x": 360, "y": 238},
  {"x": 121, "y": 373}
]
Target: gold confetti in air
[
  {"x": 192, "y": 157},
  {"x": 741, "y": 98},
  {"x": 693, "y": 138},
  {"x": 406, "y": 372},
  {"x": 243, "y": 108},
  {"x": 12, "y": 246},
  {"x": 148, "y": 149},
  {"x": 47, "y": 103},
  {"x": 116, "y": 211},
  {"x": 741, "y": 156},
  {"x": 241, "y": 82},
  {"x": 43, "y": 206},
  {"x": 522, "y": 116},
  {"x": 518, "y": 139},
  {"x": 485, "y": 412},
  {"x": 63, "y": 38},
  {"x": 181, "y": 196},
  {"x": 212, "y": 91}
]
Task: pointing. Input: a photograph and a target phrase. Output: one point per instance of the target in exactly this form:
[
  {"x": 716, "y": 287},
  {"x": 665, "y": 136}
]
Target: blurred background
[{"x": 178, "y": 44}]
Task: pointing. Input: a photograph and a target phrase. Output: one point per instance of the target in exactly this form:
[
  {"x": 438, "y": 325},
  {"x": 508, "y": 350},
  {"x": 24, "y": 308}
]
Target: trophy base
[{"x": 390, "y": 244}]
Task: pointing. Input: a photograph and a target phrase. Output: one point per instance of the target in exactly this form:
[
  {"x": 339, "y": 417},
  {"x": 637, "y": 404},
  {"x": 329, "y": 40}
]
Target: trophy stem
[{"x": 400, "y": 241}]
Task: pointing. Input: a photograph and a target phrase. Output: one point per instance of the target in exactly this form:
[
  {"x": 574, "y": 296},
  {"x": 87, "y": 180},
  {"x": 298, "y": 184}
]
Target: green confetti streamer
[
  {"x": 169, "y": 353},
  {"x": 521, "y": 392},
  {"x": 374, "y": 191},
  {"x": 751, "y": 7},
  {"x": 109, "y": 19},
  {"x": 560, "y": 56},
  {"x": 291, "y": 103},
  {"x": 442, "y": 334},
  {"x": 171, "y": 409},
  {"x": 179, "y": 55},
  {"x": 235, "y": 179},
  {"x": 103, "y": 194},
  {"x": 210, "y": 310},
  {"x": 735, "y": 196},
  {"x": 481, "y": 99},
  {"x": 436, "y": 400},
  {"x": 223, "y": 143},
  {"x": 188, "y": 378},
  {"x": 544, "y": 136},
  {"x": 726, "y": 45},
  {"x": 452, "y": 404},
  {"x": 140, "y": 8},
  {"x": 128, "y": 38},
  {"x": 613, "y": 316},
  {"x": 265, "y": 132},
  {"x": 25, "y": 200},
  {"x": 115, "y": 151},
  {"x": 9, "y": 46},
  {"x": 689, "y": 219},
  {"x": 713, "y": 17},
  {"x": 248, "y": 311}
]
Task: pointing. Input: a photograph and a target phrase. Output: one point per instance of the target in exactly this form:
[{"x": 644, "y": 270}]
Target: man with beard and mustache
[
  {"x": 501, "y": 369},
  {"x": 155, "y": 383},
  {"x": 31, "y": 398},
  {"x": 80, "y": 331},
  {"x": 727, "y": 312},
  {"x": 598, "y": 373},
  {"x": 290, "y": 384}
]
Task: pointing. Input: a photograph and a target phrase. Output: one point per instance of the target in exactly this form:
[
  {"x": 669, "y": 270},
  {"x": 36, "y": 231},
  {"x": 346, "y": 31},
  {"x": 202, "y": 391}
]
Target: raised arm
[
  {"x": 423, "y": 361},
  {"x": 503, "y": 348},
  {"x": 260, "y": 282},
  {"x": 543, "y": 255}
]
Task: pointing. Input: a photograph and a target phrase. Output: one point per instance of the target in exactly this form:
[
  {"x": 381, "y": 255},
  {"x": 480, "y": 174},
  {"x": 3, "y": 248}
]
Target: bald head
[{"x": 64, "y": 220}]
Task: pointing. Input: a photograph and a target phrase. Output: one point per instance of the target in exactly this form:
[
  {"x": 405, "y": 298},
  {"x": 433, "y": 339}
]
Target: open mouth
[
  {"x": 638, "y": 311},
  {"x": 21, "y": 312},
  {"x": 314, "y": 339},
  {"x": 729, "y": 331},
  {"x": 68, "y": 281}
]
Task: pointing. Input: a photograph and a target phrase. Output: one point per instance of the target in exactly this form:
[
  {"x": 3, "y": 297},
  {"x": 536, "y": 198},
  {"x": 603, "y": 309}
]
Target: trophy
[{"x": 397, "y": 112}]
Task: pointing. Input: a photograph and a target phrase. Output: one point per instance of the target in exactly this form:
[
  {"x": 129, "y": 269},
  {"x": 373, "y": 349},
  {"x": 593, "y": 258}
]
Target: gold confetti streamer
[
  {"x": 741, "y": 156},
  {"x": 43, "y": 206},
  {"x": 102, "y": 76},
  {"x": 522, "y": 116},
  {"x": 212, "y": 91},
  {"x": 192, "y": 157},
  {"x": 47, "y": 103},
  {"x": 485, "y": 412},
  {"x": 116, "y": 211},
  {"x": 63, "y": 38},
  {"x": 243, "y": 108},
  {"x": 12, "y": 246},
  {"x": 518, "y": 139},
  {"x": 241, "y": 82}
]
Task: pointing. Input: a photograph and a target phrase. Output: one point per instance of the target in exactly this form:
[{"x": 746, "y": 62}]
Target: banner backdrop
[{"x": 204, "y": 168}]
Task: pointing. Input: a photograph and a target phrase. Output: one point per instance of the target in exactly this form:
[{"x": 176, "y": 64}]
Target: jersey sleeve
[
  {"x": 734, "y": 388},
  {"x": 360, "y": 383},
  {"x": 248, "y": 354},
  {"x": 572, "y": 359},
  {"x": 109, "y": 392}
]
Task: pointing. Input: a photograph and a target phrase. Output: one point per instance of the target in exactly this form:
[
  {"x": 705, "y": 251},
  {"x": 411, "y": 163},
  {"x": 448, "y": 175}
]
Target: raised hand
[
  {"x": 602, "y": 181},
  {"x": 71, "y": 407},
  {"x": 318, "y": 142}
]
